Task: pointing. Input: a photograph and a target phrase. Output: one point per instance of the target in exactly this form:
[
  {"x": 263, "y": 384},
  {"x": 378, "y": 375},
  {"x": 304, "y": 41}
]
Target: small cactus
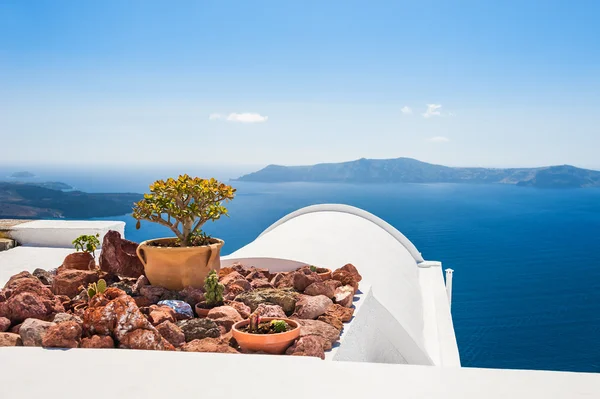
[
  {"x": 313, "y": 268},
  {"x": 279, "y": 326},
  {"x": 96, "y": 288},
  {"x": 213, "y": 289}
]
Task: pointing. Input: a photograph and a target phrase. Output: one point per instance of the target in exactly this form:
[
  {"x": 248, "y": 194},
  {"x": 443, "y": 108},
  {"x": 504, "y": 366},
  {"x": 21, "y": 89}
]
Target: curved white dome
[{"x": 332, "y": 235}]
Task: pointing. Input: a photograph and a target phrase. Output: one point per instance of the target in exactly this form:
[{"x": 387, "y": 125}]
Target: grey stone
[{"x": 199, "y": 329}]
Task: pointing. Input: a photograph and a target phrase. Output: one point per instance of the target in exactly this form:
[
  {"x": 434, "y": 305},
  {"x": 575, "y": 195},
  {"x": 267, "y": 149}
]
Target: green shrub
[{"x": 87, "y": 243}]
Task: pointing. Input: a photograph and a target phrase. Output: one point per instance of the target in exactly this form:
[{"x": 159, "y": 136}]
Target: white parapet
[{"x": 61, "y": 233}]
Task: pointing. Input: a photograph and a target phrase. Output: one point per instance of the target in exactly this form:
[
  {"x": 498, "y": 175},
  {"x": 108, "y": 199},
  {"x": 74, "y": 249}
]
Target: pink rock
[
  {"x": 260, "y": 283},
  {"x": 68, "y": 281},
  {"x": 327, "y": 333},
  {"x": 10, "y": 339},
  {"x": 224, "y": 316},
  {"x": 32, "y": 331},
  {"x": 62, "y": 335},
  {"x": 243, "y": 309},
  {"x": 119, "y": 256},
  {"x": 320, "y": 288},
  {"x": 172, "y": 333},
  {"x": 4, "y": 324},
  {"x": 98, "y": 341},
  {"x": 310, "y": 345},
  {"x": 298, "y": 280},
  {"x": 344, "y": 295},
  {"x": 311, "y": 307},
  {"x": 266, "y": 310},
  {"x": 142, "y": 281},
  {"x": 333, "y": 284}
]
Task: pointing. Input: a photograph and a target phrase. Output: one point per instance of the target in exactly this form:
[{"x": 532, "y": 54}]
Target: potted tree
[
  {"x": 85, "y": 258},
  {"x": 213, "y": 294},
  {"x": 183, "y": 205},
  {"x": 265, "y": 334}
]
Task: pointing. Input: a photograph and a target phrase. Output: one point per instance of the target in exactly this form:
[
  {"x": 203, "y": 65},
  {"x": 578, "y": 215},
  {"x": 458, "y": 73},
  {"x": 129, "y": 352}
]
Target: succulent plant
[
  {"x": 254, "y": 321},
  {"x": 279, "y": 326},
  {"x": 96, "y": 288},
  {"x": 313, "y": 268},
  {"x": 184, "y": 205},
  {"x": 213, "y": 289},
  {"x": 87, "y": 243}
]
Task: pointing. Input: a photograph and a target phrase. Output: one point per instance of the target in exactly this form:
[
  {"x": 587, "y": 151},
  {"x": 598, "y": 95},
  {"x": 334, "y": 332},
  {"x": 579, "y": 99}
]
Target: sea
[{"x": 526, "y": 288}]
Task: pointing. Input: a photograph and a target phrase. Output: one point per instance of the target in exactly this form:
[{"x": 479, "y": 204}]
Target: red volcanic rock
[
  {"x": 4, "y": 324},
  {"x": 24, "y": 296},
  {"x": 98, "y": 341},
  {"x": 32, "y": 331},
  {"x": 320, "y": 288},
  {"x": 332, "y": 320},
  {"x": 243, "y": 309},
  {"x": 192, "y": 295},
  {"x": 333, "y": 284},
  {"x": 345, "y": 278},
  {"x": 298, "y": 280},
  {"x": 79, "y": 261},
  {"x": 62, "y": 335},
  {"x": 344, "y": 295},
  {"x": 142, "y": 281},
  {"x": 224, "y": 271},
  {"x": 234, "y": 278},
  {"x": 341, "y": 312},
  {"x": 159, "y": 314},
  {"x": 267, "y": 310},
  {"x": 328, "y": 334},
  {"x": 68, "y": 281},
  {"x": 144, "y": 339},
  {"x": 10, "y": 339},
  {"x": 225, "y": 316},
  {"x": 311, "y": 307},
  {"x": 310, "y": 345},
  {"x": 243, "y": 270},
  {"x": 118, "y": 256},
  {"x": 172, "y": 333},
  {"x": 260, "y": 283},
  {"x": 352, "y": 270},
  {"x": 259, "y": 274},
  {"x": 208, "y": 345},
  {"x": 232, "y": 291},
  {"x": 277, "y": 277}
]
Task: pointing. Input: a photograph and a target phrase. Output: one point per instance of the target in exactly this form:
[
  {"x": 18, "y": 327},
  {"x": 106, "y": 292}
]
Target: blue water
[{"x": 527, "y": 261}]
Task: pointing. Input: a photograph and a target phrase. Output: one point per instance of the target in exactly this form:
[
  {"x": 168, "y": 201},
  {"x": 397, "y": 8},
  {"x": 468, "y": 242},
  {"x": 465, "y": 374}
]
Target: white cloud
[
  {"x": 406, "y": 110},
  {"x": 244, "y": 117},
  {"x": 438, "y": 139},
  {"x": 247, "y": 117},
  {"x": 432, "y": 110}
]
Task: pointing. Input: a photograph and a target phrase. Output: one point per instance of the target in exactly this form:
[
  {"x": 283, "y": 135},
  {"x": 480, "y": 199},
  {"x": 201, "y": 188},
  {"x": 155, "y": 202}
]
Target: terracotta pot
[
  {"x": 202, "y": 312},
  {"x": 275, "y": 344},
  {"x": 325, "y": 275},
  {"x": 178, "y": 267}
]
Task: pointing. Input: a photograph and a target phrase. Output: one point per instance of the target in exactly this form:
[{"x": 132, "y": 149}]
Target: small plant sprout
[
  {"x": 213, "y": 289},
  {"x": 184, "y": 205},
  {"x": 96, "y": 288},
  {"x": 87, "y": 243},
  {"x": 279, "y": 326},
  {"x": 254, "y": 321},
  {"x": 313, "y": 268}
]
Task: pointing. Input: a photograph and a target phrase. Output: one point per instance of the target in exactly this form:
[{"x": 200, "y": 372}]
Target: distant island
[
  {"x": 47, "y": 200},
  {"x": 22, "y": 175},
  {"x": 408, "y": 170}
]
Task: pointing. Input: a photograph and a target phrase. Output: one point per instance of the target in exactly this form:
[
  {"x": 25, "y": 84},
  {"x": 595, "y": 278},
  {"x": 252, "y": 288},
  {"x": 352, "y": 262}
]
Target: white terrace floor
[{"x": 400, "y": 343}]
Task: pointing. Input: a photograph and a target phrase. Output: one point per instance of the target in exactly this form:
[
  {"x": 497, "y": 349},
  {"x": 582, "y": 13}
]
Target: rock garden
[{"x": 171, "y": 294}]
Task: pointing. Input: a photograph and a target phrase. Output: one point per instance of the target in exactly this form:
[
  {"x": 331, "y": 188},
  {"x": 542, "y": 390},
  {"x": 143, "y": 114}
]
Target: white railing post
[{"x": 449, "y": 285}]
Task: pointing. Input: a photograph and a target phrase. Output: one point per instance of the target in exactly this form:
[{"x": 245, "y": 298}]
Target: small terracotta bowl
[{"x": 274, "y": 344}]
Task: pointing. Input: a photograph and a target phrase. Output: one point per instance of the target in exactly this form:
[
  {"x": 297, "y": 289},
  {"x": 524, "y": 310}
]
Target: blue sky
[{"x": 462, "y": 83}]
